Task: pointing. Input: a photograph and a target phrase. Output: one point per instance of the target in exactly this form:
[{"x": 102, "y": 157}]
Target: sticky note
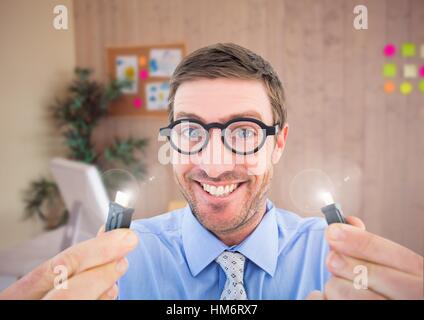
[
  {"x": 421, "y": 86},
  {"x": 409, "y": 71},
  {"x": 421, "y": 71},
  {"x": 137, "y": 103},
  {"x": 405, "y": 88},
  {"x": 408, "y": 49},
  {"x": 144, "y": 74},
  {"x": 389, "y": 70},
  {"x": 389, "y": 86},
  {"x": 142, "y": 61},
  {"x": 422, "y": 51},
  {"x": 389, "y": 50}
]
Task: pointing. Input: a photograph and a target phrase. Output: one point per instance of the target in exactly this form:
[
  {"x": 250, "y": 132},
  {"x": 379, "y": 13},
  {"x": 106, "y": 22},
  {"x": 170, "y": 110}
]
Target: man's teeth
[{"x": 220, "y": 191}]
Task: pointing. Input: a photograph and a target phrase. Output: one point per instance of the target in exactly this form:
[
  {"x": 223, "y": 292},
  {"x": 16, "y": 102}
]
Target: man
[{"x": 227, "y": 131}]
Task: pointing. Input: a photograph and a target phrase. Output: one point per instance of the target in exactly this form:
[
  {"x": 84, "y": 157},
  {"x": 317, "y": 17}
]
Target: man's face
[{"x": 220, "y": 100}]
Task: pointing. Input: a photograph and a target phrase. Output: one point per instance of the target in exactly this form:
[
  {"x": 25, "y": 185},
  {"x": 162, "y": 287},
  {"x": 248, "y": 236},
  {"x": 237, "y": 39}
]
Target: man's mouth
[{"x": 219, "y": 190}]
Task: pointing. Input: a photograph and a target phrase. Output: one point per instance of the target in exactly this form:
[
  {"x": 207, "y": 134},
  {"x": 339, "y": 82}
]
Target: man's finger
[
  {"x": 341, "y": 289},
  {"x": 352, "y": 241},
  {"x": 386, "y": 281},
  {"x": 355, "y": 221},
  {"x": 101, "y": 230},
  {"x": 107, "y": 247},
  {"x": 315, "y": 295},
  {"x": 110, "y": 294},
  {"x": 91, "y": 284}
]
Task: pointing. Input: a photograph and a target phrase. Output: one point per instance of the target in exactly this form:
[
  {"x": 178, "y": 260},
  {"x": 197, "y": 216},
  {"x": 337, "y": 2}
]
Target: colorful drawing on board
[
  {"x": 163, "y": 62},
  {"x": 144, "y": 74},
  {"x": 389, "y": 50},
  {"x": 137, "y": 102},
  {"x": 157, "y": 95},
  {"x": 127, "y": 69}
]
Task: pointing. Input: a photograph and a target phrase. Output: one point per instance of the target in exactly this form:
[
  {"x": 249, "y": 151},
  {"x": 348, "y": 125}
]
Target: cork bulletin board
[{"x": 149, "y": 69}]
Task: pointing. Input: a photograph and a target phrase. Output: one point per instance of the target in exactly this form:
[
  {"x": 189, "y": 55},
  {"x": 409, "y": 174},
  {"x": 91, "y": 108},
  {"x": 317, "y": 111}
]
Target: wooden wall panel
[{"x": 369, "y": 144}]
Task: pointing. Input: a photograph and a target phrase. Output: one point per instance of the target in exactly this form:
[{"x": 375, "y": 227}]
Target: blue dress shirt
[{"x": 175, "y": 258}]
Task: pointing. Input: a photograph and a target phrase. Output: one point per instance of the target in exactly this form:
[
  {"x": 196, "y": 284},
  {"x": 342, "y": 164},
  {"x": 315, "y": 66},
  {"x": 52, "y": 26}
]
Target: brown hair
[{"x": 228, "y": 60}]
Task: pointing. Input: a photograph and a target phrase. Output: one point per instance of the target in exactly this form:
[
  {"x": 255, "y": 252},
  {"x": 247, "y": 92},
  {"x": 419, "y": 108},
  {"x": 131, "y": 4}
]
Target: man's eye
[
  {"x": 244, "y": 133},
  {"x": 191, "y": 133}
]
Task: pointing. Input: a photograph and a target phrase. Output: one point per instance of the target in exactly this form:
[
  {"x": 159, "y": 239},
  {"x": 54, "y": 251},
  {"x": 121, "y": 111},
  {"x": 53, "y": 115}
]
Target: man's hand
[
  {"x": 93, "y": 267},
  {"x": 392, "y": 271}
]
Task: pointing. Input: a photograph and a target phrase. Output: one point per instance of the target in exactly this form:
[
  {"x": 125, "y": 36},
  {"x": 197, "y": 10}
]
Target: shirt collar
[{"x": 202, "y": 247}]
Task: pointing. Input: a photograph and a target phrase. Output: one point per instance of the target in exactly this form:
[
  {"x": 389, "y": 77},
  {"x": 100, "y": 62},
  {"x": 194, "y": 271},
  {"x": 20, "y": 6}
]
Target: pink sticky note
[
  {"x": 144, "y": 74},
  {"x": 421, "y": 72},
  {"x": 389, "y": 50},
  {"x": 137, "y": 103}
]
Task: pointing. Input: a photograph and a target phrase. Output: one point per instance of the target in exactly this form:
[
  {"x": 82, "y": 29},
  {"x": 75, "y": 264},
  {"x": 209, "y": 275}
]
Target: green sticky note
[
  {"x": 408, "y": 49},
  {"x": 405, "y": 88},
  {"x": 421, "y": 86},
  {"x": 389, "y": 70}
]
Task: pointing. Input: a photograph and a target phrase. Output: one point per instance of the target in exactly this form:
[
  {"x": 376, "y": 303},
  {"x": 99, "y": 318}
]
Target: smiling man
[{"x": 227, "y": 131}]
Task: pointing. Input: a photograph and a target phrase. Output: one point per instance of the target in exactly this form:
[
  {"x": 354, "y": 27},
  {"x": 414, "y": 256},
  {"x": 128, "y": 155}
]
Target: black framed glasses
[{"x": 240, "y": 135}]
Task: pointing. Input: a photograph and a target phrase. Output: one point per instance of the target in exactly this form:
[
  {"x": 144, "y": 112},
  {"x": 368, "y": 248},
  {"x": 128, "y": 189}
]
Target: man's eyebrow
[
  {"x": 183, "y": 114},
  {"x": 246, "y": 114}
]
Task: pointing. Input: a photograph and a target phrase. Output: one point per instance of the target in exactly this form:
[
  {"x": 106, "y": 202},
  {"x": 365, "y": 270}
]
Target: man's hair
[{"x": 228, "y": 60}]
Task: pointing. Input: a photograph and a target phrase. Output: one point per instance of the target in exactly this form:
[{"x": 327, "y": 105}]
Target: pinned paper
[
  {"x": 408, "y": 49},
  {"x": 157, "y": 94},
  {"x": 164, "y": 61},
  {"x": 144, "y": 74},
  {"x": 142, "y": 61},
  {"x": 405, "y": 88},
  {"x": 389, "y": 50},
  {"x": 409, "y": 71},
  {"x": 422, "y": 51},
  {"x": 126, "y": 69},
  {"x": 389, "y": 70},
  {"x": 137, "y": 102},
  {"x": 389, "y": 86}
]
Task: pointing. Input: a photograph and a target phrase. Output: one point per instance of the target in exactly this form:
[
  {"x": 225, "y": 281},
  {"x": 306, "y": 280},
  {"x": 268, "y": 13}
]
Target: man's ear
[{"x": 280, "y": 144}]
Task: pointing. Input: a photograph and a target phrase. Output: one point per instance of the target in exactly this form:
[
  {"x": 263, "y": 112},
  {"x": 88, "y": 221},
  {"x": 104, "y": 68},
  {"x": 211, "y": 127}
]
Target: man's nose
[{"x": 216, "y": 158}]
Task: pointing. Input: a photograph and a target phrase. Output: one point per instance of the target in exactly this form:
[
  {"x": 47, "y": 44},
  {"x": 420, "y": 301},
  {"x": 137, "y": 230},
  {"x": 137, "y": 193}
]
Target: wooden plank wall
[{"x": 341, "y": 123}]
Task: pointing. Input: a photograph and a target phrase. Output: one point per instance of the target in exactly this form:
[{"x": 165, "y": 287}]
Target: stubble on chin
[{"x": 248, "y": 215}]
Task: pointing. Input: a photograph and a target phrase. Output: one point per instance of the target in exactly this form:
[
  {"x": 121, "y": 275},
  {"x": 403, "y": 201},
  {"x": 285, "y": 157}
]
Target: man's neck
[{"x": 239, "y": 235}]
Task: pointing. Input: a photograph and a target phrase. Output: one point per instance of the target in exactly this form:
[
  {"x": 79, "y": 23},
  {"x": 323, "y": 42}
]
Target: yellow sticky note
[
  {"x": 405, "y": 88},
  {"x": 409, "y": 71}
]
